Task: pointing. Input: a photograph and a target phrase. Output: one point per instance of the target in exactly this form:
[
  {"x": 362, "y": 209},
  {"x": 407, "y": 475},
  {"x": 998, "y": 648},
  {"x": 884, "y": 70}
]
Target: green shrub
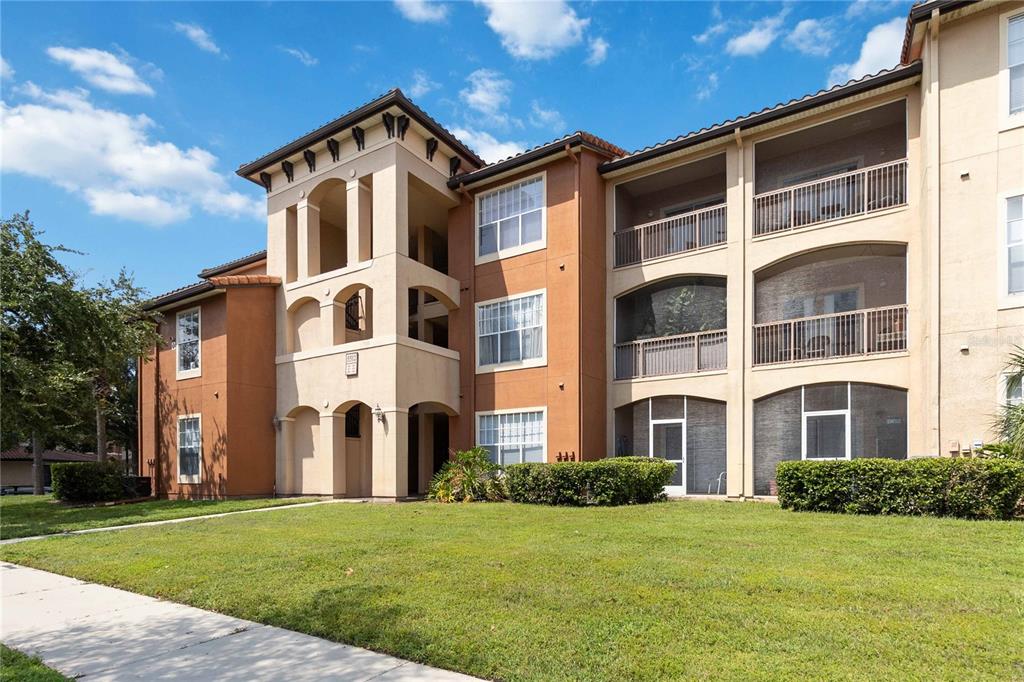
[
  {"x": 1002, "y": 450},
  {"x": 469, "y": 476},
  {"x": 934, "y": 486},
  {"x": 88, "y": 481},
  {"x": 614, "y": 481}
]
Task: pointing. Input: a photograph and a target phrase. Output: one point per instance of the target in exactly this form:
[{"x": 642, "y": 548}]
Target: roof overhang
[
  {"x": 922, "y": 12},
  {"x": 394, "y": 98},
  {"x": 189, "y": 294},
  {"x": 893, "y": 79}
]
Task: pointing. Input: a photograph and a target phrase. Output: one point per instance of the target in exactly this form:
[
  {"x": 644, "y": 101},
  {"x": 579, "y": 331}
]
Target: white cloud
[
  {"x": 711, "y": 31},
  {"x": 880, "y": 50},
  {"x": 199, "y": 36},
  {"x": 758, "y": 39},
  {"x": 811, "y": 37},
  {"x": 546, "y": 118},
  {"x": 6, "y": 71},
  {"x": 598, "y": 51},
  {"x": 708, "y": 87},
  {"x": 306, "y": 58},
  {"x": 535, "y": 30},
  {"x": 102, "y": 69},
  {"x": 486, "y": 146},
  {"x": 859, "y": 8},
  {"x": 487, "y": 95},
  {"x": 422, "y": 11},
  {"x": 421, "y": 84},
  {"x": 109, "y": 159}
]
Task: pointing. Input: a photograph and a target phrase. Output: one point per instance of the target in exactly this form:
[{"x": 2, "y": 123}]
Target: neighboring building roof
[
  {"x": 179, "y": 294},
  {"x": 21, "y": 454},
  {"x": 231, "y": 265},
  {"x": 245, "y": 280},
  {"x": 579, "y": 137},
  {"x": 394, "y": 97},
  {"x": 922, "y": 11},
  {"x": 728, "y": 127}
]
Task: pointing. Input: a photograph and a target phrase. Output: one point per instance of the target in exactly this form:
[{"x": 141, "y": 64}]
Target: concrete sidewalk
[{"x": 101, "y": 633}]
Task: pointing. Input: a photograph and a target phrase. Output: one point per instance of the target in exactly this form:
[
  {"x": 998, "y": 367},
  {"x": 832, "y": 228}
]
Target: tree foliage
[{"x": 1010, "y": 420}]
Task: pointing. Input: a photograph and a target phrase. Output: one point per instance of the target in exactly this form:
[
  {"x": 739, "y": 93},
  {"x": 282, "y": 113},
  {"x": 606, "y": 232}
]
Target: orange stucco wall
[
  {"x": 236, "y": 324},
  {"x": 571, "y": 270}
]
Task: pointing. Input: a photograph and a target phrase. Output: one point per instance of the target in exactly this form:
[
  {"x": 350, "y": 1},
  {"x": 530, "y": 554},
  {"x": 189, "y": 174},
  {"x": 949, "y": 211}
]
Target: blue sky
[{"x": 123, "y": 123}]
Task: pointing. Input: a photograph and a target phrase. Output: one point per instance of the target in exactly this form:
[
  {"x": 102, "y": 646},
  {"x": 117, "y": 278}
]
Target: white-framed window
[
  {"x": 1013, "y": 219},
  {"x": 825, "y": 425},
  {"x": 1011, "y": 391},
  {"x": 510, "y": 332},
  {"x": 1011, "y": 69},
  {"x": 513, "y": 436},
  {"x": 511, "y": 219},
  {"x": 190, "y": 448},
  {"x": 187, "y": 343}
]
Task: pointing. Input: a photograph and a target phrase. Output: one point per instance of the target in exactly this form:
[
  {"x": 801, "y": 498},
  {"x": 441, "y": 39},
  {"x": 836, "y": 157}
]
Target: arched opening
[
  {"x": 428, "y": 225},
  {"x": 353, "y": 320},
  {"x": 827, "y": 421},
  {"x": 304, "y": 325},
  {"x": 687, "y": 431},
  {"x": 835, "y": 302},
  {"x": 307, "y": 471},
  {"x": 672, "y": 326},
  {"x": 428, "y": 441},
  {"x": 353, "y": 450},
  {"x": 331, "y": 197},
  {"x": 428, "y": 316}
]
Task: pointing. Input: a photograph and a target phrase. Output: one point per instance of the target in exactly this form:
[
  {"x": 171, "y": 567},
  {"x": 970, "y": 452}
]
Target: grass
[
  {"x": 15, "y": 665},
  {"x": 675, "y": 590},
  {"x": 26, "y": 515}
]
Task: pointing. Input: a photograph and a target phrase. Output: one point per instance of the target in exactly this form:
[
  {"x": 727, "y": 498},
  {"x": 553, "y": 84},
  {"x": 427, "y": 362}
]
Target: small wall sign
[{"x": 351, "y": 364}]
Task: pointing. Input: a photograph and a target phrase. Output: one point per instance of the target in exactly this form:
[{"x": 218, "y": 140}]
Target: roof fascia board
[{"x": 525, "y": 161}]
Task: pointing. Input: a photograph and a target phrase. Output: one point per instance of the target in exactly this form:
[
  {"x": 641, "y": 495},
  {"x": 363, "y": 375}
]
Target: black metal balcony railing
[
  {"x": 840, "y": 196},
  {"x": 840, "y": 335},
  {"x": 670, "y": 236},
  {"x": 679, "y": 354}
]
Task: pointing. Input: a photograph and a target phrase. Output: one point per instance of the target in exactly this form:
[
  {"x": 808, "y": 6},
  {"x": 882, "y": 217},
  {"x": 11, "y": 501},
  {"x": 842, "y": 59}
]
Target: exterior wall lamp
[{"x": 378, "y": 413}]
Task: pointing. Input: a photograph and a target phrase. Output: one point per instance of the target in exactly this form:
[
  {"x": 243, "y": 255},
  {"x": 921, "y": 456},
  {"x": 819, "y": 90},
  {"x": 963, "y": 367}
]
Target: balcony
[
  {"x": 679, "y": 354},
  {"x": 840, "y": 196},
  {"x": 842, "y": 302},
  {"x": 670, "y": 212},
  {"x": 850, "y": 166},
  {"x": 672, "y": 326},
  {"x": 670, "y": 236},
  {"x": 873, "y": 331}
]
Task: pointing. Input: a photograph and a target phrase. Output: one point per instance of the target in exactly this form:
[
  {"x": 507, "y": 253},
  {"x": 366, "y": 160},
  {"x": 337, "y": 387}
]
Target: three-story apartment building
[{"x": 837, "y": 276}]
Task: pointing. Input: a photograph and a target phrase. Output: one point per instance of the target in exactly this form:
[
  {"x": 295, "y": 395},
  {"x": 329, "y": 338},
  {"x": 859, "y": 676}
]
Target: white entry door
[{"x": 668, "y": 441}]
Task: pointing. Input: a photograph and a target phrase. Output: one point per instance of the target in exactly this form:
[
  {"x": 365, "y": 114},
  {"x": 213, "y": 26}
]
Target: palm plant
[{"x": 1010, "y": 420}]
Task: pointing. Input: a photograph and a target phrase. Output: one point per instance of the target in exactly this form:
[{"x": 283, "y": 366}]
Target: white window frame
[
  {"x": 804, "y": 414},
  {"x": 198, "y": 478},
  {"x": 1005, "y": 298},
  {"x": 1001, "y": 396},
  {"x": 198, "y": 370},
  {"x": 519, "y": 364},
  {"x": 1006, "y": 120},
  {"x": 516, "y": 410},
  {"x": 538, "y": 245}
]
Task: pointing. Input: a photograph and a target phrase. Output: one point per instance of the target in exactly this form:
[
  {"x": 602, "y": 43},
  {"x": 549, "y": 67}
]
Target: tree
[
  {"x": 1010, "y": 421},
  {"x": 39, "y": 306}
]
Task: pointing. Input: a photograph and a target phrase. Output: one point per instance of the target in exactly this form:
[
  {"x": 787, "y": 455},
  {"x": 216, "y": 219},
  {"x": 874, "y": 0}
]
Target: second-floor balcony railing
[
  {"x": 679, "y": 354},
  {"x": 669, "y": 236},
  {"x": 840, "y": 335},
  {"x": 840, "y": 196}
]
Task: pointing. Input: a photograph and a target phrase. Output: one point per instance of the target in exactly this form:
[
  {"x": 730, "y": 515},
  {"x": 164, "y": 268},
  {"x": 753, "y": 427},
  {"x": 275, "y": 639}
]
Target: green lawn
[
  {"x": 16, "y": 666},
  {"x": 674, "y": 590},
  {"x": 25, "y": 515}
]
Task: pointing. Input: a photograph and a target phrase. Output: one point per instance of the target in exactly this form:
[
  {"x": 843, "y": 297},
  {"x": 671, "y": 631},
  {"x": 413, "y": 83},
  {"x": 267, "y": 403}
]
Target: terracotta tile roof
[
  {"x": 245, "y": 280},
  {"x": 392, "y": 97},
  {"x": 179, "y": 294},
  {"x": 22, "y": 453},
  {"x": 236, "y": 263},
  {"x": 773, "y": 112},
  {"x": 539, "y": 151}
]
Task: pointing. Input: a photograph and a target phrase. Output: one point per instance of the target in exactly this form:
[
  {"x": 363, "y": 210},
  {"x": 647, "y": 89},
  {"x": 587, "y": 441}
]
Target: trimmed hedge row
[
  {"x": 934, "y": 486},
  {"x": 88, "y": 481},
  {"x": 614, "y": 481}
]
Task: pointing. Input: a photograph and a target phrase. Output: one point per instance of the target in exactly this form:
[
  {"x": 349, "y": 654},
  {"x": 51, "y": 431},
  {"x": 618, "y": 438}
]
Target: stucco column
[
  {"x": 328, "y": 319},
  {"x": 309, "y": 239},
  {"x": 285, "y": 456},
  {"x": 359, "y": 207},
  {"x": 426, "y": 453},
  {"x": 391, "y": 211},
  {"x": 736, "y": 315},
  {"x": 390, "y": 454},
  {"x": 332, "y": 442}
]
